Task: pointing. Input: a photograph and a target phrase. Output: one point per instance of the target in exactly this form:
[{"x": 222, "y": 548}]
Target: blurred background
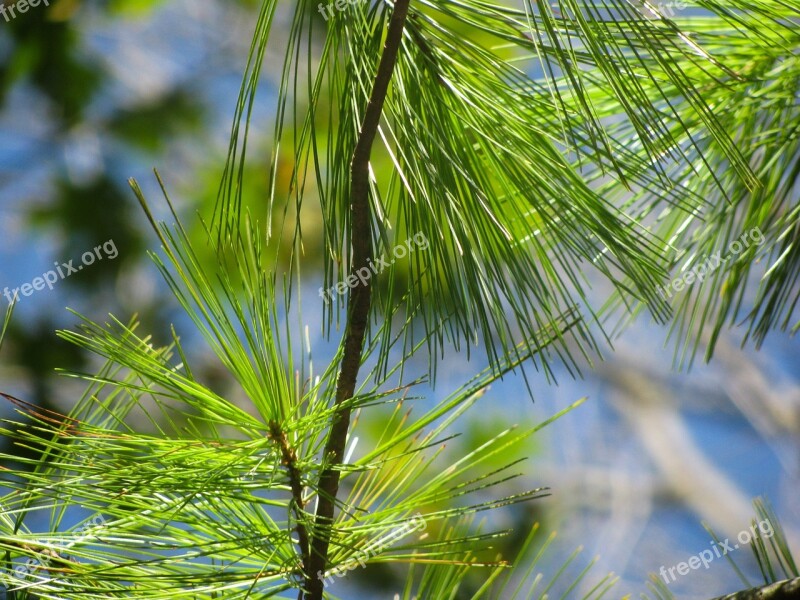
[{"x": 94, "y": 92}]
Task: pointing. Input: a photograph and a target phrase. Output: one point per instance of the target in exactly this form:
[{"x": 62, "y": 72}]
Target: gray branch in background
[{"x": 782, "y": 590}]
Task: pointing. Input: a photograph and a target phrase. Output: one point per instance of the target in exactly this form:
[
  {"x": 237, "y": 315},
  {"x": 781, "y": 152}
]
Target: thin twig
[
  {"x": 289, "y": 460},
  {"x": 359, "y": 304},
  {"x": 782, "y": 590}
]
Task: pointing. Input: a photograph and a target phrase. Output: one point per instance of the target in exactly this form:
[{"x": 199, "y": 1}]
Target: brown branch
[
  {"x": 783, "y": 590},
  {"x": 359, "y": 303},
  {"x": 44, "y": 556},
  {"x": 289, "y": 460}
]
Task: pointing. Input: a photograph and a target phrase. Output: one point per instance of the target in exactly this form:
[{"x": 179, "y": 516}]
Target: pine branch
[
  {"x": 359, "y": 303},
  {"x": 289, "y": 460},
  {"x": 782, "y": 590}
]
